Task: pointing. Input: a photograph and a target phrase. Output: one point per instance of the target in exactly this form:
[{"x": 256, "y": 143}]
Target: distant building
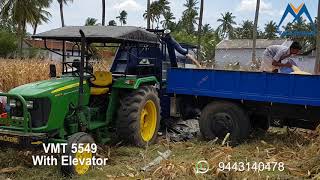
[
  {"x": 239, "y": 52},
  {"x": 36, "y": 48}
]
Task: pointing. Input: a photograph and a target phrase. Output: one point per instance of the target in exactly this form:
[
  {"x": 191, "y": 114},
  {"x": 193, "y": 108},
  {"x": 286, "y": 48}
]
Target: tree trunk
[
  {"x": 103, "y": 12},
  {"x": 22, "y": 29},
  {"x": 317, "y": 64},
  {"x": 255, "y": 29},
  {"x": 35, "y": 27},
  {"x": 200, "y": 28},
  {"x": 148, "y": 14},
  {"x": 19, "y": 34},
  {"x": 61, "y": 14}
]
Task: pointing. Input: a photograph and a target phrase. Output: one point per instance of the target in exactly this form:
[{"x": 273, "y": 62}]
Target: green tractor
[{"x": 84, "y": 106}]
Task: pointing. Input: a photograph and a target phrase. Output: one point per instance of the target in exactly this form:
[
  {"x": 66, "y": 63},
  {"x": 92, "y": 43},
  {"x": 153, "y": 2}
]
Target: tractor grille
[{"x": 40, "y": 112}]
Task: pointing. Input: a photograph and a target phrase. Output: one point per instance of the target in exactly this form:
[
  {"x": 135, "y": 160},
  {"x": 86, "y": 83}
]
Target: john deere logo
[{"x": 297, "y": 13}]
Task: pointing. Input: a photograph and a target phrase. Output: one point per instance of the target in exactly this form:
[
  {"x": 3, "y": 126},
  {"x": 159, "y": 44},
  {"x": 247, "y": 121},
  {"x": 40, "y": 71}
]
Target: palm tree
[
  {"x": 112, "y": 23},
  {"x": 91, "y": 21},
  {"x": 103, "y": 12},
  {"x": 207, "y": 29},
  {"x": 270, "y": 30},
  {"x": 22, "y": 13},
  {"x": 246, "y": 29},
  {"x": 168, "y": 20},
  {"x": 255, "y": 29},
  {"x": 157, "y": 8},
  {"x": 123, "y": 17},
  {"x": 189, "y": 18},
  {"x": 42, "y": 17},
  {"x": 226, "y": 26},
  {"x": 61, "y": 3}
]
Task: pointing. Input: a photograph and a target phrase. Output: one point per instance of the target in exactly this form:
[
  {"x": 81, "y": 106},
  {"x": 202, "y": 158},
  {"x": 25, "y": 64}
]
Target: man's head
[{"x": 295, "y": 48}]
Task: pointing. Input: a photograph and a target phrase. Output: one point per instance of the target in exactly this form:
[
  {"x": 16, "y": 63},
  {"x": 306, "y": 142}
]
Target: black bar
[{"x": 81, "y": 68}]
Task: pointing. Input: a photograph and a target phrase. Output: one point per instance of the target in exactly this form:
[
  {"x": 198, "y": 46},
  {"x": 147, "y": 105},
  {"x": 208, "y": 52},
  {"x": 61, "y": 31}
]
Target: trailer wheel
[
  {"x": 78, "y": 138},
  {"x": 139, "y": 117},
  {"x": 220, "y": 118}
]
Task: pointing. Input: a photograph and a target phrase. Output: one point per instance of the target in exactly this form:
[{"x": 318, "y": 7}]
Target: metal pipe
[{"x": 81, "y": 68}]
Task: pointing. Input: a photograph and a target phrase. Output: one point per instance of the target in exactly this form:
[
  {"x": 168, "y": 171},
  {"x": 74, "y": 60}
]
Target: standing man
[{"x": 273, "y": 56}]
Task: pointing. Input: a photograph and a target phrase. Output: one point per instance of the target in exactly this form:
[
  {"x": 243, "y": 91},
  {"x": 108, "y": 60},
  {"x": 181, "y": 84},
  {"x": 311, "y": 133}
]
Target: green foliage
[
  {"x": 112, "y": 23},
  {"x": 307, "y": 42},
  {"x": 270, "y": 30},
  {"x": 8, "y": 43},
  {"x": 189, "y": 16},
  {"x": 123, "y": 17},
  {"x": 157, "y": 9},
  {"x": 91, "y": 21},
  {"x": 209, "y": 41},
  {"x": 226, "y": 27}
]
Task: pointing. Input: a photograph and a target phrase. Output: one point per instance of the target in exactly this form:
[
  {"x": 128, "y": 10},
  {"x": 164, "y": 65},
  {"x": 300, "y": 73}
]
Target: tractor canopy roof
[{"x": 101, "y": 34}]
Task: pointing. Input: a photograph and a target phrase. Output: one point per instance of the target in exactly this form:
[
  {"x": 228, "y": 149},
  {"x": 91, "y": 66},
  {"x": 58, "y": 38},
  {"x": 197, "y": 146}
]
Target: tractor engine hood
[{"x": 44, "y": 88}]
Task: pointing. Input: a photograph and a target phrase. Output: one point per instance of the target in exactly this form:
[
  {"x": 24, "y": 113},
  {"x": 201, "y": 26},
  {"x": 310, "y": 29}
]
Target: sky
[{"x": 77, "y": 12}]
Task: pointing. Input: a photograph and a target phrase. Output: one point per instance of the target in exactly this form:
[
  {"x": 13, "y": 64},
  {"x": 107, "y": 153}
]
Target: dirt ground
[{"x": 298, "y": 150}]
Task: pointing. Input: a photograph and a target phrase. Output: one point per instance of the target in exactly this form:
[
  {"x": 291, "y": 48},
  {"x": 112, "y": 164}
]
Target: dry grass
[
  {"x": 14, "y": 73},
  {"x": 299, "y": 150}
]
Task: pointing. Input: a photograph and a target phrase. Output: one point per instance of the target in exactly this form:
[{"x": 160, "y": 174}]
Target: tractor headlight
[
  {"x": 13, "y": 103},
  {"x": 29, "y": 104}
]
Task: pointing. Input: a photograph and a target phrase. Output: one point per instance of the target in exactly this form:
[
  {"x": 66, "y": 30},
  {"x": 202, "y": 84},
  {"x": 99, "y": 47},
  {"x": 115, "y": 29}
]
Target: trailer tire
[
  {"x": 77, "y": 138},
  {"x": 139, "y": 117},
  {"x": 220, "y": 118}
]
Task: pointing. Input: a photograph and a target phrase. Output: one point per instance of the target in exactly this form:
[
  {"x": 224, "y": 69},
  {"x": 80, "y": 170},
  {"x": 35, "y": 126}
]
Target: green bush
[{"x": 8, "y": 43}]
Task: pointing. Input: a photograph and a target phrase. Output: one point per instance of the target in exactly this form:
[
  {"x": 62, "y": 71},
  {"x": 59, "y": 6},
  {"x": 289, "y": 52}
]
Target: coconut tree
[
  {"x": 189, "y": 16},
  {"x": 62, "y": 3},
  {"x": 22, "y": 13},
  {"x": 227, "y": 23},
  {"x": 103, "y": 12},
  {"x": 270, "y": 30},
  {"x": 91, "y": 21},
  {"x": 123, "y": 17},
  {"x": 42, "y": 17},
  {"x": 157, "y": 8},
  {"x": 168, "y": 20}
]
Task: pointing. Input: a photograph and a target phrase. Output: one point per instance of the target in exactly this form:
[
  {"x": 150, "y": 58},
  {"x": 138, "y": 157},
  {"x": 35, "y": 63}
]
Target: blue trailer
[{"x": 236, "y": 102}]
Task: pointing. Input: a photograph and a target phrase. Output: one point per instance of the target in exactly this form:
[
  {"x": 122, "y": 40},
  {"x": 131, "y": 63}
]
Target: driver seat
[{"x": 101, "y": 83}]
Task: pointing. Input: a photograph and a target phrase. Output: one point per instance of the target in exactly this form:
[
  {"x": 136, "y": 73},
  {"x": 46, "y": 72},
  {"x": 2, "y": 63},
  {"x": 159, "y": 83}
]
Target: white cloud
[
  {"x": 250, "y": 6},
  {"x": 128, "y": 5}
]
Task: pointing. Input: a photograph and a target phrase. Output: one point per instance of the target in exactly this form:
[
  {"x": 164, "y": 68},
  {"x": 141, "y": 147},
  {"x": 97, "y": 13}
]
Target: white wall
[{"x": 243, "y": 56}]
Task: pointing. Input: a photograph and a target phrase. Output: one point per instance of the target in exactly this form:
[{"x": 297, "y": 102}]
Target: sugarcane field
[{"x": 159, "y": 89}]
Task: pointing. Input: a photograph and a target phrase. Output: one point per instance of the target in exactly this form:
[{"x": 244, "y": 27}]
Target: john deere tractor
[{"x": 86, "y": 106}]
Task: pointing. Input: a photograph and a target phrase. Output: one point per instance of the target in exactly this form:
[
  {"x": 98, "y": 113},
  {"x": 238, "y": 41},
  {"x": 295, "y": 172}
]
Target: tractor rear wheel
[
  {"x": 79, "y": 169},
  {"x": 139, "y": 117}
]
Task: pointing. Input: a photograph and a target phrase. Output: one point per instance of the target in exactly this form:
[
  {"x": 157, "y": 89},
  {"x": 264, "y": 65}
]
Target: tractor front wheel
[
  {"x": 77, "y": 139},
  {"x": 139, "y": 117}
]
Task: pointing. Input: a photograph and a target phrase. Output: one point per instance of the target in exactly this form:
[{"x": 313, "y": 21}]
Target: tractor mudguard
[{"x": 134, "y": 83}]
